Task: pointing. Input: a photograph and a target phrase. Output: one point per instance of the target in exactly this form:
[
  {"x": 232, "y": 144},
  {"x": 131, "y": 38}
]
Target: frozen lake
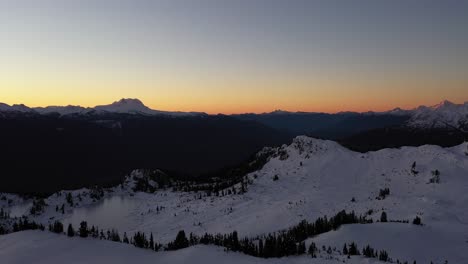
[{"x": 113, "y": 212}]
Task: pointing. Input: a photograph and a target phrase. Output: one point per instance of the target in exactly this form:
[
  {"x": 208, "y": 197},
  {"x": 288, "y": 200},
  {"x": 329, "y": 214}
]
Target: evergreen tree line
[
  {"x": 4, "y": 214},
  {"x": 276, "y": 244},
  {"x": 383, "y": 193},
  {"x": 273, "y": 245},
  {"x": 25, "y": 224},
  {"x": 367, "y": 252},
  {"x": 38, "y": 206},
  {"x": 139, "y": 239},
  {"x": 219, "y": 183}
]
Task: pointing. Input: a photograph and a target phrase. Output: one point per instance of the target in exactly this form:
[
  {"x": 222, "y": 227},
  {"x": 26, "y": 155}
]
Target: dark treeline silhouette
[
  {"x": 79, "y": 151},
  {"x": 213, "y": 183},
  {"x": 383, "y": 193},
  {"x": 395, "y": 137},
  {"x": 25, "y": 224},
  {"x": 331, "y": 126},
  {"x": 278, "y": 244}
]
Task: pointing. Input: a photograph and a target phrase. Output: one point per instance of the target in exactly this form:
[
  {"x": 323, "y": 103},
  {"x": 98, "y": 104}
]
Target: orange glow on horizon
[
  {"x": 217, "y": 107},
  {"x": 236, "y": 96}
]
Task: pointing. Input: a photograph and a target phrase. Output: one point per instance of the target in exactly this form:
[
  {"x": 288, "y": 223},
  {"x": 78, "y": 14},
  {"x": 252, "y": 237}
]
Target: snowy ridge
[
  {"x": 62, "y": 110},
  {"x": 15, "y": 108},
  {"x": 445, "y": 114},
  {"x": 442, "y": 115},
  {"x": 313, "y": 178}
]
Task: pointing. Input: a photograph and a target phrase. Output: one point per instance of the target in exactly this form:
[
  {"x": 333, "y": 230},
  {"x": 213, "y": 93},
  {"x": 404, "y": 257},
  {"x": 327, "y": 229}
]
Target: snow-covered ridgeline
[
  {"x": 443, "y": 115},
  {"x": 305, "y": 180}
]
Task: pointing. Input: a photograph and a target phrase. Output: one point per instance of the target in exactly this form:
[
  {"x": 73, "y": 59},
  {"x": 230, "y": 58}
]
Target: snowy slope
[
  {"x": 315, "y": 178},
  {"x": 404, "y": 241},
  {"x": 48, "y": 248}
]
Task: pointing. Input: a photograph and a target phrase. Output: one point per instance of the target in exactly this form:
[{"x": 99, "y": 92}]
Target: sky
[{"x": 235, "y": 56}]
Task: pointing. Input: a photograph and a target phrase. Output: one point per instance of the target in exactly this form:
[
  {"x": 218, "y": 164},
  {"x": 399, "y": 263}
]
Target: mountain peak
[
  {"x": 444, "y": 103},
  {"x": 128, "y": 101},
  {"x": 443, "y": 114},
  {"x": 14, "y": 108},
  {"x": 126, "y": 105},
  {"x": 280, "y": 112}
]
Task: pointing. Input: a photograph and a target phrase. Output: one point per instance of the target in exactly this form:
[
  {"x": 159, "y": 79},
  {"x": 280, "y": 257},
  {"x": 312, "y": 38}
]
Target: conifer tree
[
  {"x": 181, "y": 240},
  {"x": 260, "y": 248},
  {"x": 312, "y": 250},
  {"x": 417, "y": 221},
  {"x": 353, "y": 250},
  {"x": 235, "y": 241},
  {"x": 69, "y": 199},
  {"x": 83, "y": 229},
  {"x": 70, "y": 231},
  {"x": 151, "y": 242},
  {"x": 345, "y": 249},
  {"x": 57, "y": 227},
  {"x": 301, "y": 248},
  {"x": 125, "y": 238},
  {"x": 383, "y": 217},
  {"x": 383, "y": 255}
]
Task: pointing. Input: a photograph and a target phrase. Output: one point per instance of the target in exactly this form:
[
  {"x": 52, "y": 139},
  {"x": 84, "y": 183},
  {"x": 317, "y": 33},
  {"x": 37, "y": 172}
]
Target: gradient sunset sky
[{"x": 235, "y": 56}]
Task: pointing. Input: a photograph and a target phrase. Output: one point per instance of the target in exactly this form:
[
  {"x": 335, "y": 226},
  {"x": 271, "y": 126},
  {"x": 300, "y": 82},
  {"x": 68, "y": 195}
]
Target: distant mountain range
[
  {"x": 123, "y": 106},
  {"x": 54, "y": 148},
  {"x": 443, "y": 115},
  {"x": 60, "y": 147}
]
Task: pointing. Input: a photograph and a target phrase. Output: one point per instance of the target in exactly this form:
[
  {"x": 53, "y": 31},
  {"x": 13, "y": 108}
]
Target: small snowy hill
[{"x": 308, "y": 179}]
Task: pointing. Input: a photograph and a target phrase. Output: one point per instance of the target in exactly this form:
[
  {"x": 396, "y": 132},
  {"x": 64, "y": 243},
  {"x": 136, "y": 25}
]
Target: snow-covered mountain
[
  {"x": 342, "y": 125},
  {"x": 133, "y": 106},
  {"x": 123, "y": 106},
  {"x": 62, "y": 110},
  {"x": 15, "y": 108},
  {"x": 442, "y": 115},
  {"x": 305, "y": 180}
]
